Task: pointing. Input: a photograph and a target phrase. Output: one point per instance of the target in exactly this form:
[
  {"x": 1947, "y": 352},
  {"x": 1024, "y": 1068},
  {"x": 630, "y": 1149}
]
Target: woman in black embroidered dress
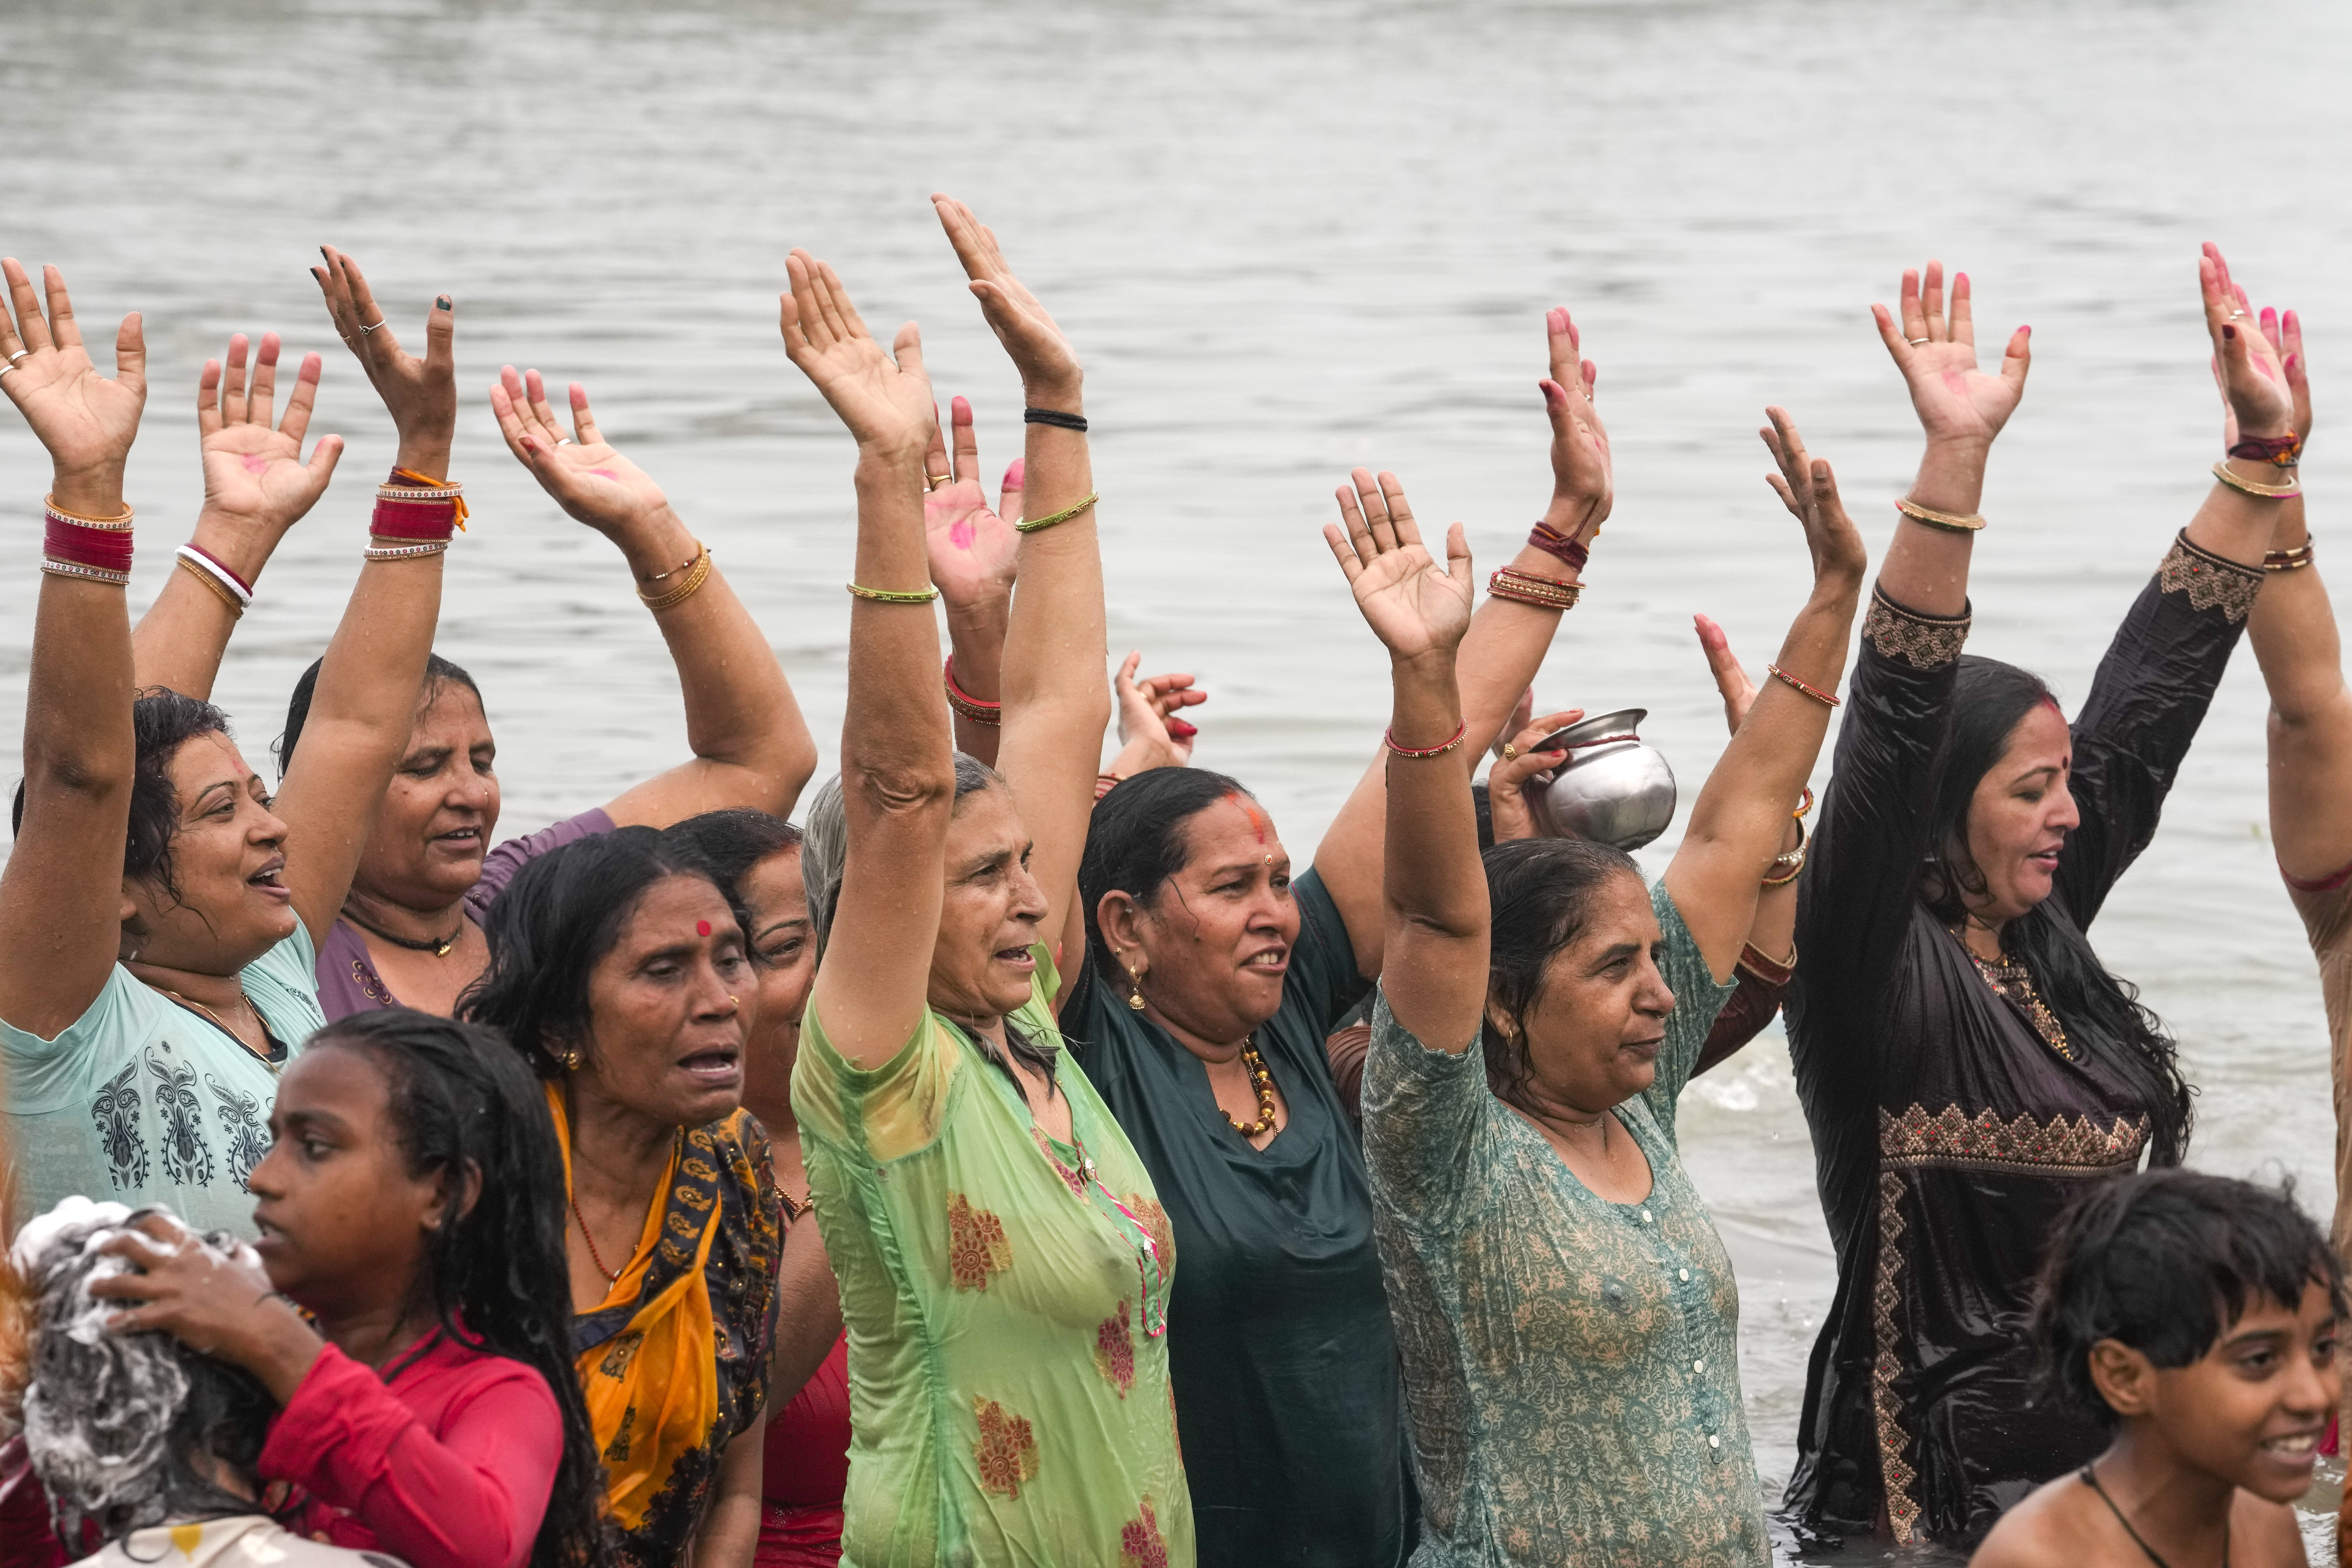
[{"x": 1964, "y": 1061}]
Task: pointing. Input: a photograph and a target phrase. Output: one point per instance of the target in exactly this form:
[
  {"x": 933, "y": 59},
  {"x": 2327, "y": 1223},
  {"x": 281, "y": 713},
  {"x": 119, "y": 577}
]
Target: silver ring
[
  {"x": 2237, "y": 315},
  {"x": 1915, "y": 342},
  {"x": 4, "y": 369},
  {"x": 20, "y": 354},
  {"x": 565, "y": 441},
  {"x": 365, "y": 330}
]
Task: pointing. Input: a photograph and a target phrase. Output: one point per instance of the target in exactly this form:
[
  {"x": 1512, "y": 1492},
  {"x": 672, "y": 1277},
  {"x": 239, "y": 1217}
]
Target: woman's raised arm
[
  {"x": 62, "y": 898},
  {"x": 1742, "y": 816},
  {"x": 1056, "y": 699},
  {"x": 973, "y": 550},
  {"x": 751, "y": 747},
  {"x": 1437, "y": 917},
  {"x": 898, "y": 768}
]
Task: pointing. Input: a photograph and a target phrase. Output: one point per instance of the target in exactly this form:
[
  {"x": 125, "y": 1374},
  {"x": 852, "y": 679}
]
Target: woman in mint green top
[
  {"x": 1564, "y": 1309},
  {"x": 1004, "y": 1263}
]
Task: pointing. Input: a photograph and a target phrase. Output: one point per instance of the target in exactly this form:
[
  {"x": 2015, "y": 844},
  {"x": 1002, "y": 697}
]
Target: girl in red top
[{"x": 413, "y": 1204}]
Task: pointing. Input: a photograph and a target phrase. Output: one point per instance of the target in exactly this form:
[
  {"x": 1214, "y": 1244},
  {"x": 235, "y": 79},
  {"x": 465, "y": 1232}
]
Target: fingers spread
[
  {"x": 299, "y": 401},
  {"x": 2018, "y": 358},
  {"x": 1342, "y": 551}
]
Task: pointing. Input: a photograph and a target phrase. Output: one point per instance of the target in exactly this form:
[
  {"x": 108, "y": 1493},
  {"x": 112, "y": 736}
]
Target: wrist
[
  {"x": 277, "y": 1347},
  {"x": 92, "y": 491},
  {"x": 1573, "y": 516},
  {"x": 238, "y": 545},
  {"x": 1065, "y": 393},
  {"x": 430, "y": 458},
  {"x": 1951, "y": 475}
]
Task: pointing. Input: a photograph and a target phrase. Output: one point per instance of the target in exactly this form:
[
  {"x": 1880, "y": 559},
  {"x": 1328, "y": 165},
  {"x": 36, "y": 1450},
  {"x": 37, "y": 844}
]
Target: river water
[{"x": 1287, "y": 241}]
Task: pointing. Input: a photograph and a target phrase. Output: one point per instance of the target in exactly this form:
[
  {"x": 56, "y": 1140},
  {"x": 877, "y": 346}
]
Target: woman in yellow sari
[{"x": 616, "y": 965}]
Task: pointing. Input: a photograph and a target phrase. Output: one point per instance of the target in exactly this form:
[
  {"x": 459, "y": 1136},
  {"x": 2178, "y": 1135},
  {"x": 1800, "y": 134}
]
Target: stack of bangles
[
  {"x": 696, "y": 569},
  {"x": 973, "y": 708},
  {"x": 94, "y": 549},
  {"x": 213, "y": 573},
  {"x": 1525, "y": 588},
  {"x": 2294, "y": 560},
  {"x": 415, "y": 516},
  {"x": 1950, "y": 522}
]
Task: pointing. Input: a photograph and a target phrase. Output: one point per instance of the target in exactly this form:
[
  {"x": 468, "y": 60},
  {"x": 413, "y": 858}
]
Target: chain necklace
[
  {"x": 611, "y": 1276},
  {"x": 1261, "y": 1081},
  {"x": 264, "y": 1057},
  {"x": 438, "y": 946}
]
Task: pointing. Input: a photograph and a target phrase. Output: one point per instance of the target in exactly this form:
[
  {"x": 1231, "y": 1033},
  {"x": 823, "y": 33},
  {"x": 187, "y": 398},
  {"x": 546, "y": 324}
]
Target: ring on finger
[
  {"x": 933, "y": 481},
  {"x": 1915, "y": 342},
  {"x": 1510, "y": 751},
  {"x": 20, "y": 354},
  {"x": 380, "y": 321},
  {"x": 565, "y": 441},
  {"x": 4, "y": 369}
]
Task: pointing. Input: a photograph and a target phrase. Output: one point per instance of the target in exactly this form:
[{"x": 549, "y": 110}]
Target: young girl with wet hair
[
  {"x": 413, "y": 1204},
  {"x": 2194, "y": 1318}
]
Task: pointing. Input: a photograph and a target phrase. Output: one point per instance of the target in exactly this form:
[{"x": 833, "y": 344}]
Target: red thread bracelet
[
  {"x": 1559, "y": 546},
  {"x": 1389, "y": 736}
]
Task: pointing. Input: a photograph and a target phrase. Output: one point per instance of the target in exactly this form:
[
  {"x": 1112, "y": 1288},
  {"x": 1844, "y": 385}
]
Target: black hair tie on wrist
[{"x": 1055, "y": 416}]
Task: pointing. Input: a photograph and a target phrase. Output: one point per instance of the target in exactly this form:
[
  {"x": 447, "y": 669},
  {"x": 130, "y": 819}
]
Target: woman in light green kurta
[
  {"x": 1564, "y": 1309},
  {"x": 1004, "y": 1266}
]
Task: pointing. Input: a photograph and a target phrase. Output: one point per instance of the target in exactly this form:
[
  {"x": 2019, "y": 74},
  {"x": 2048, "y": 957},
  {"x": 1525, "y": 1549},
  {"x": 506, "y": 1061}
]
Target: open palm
[
  {"x": 1031, "y": 338},
  {"x": 1412, "y": 604},
  {"x": 883, "y": 396},
  {"x": 1936, "y": 352},
  {"x": 973, "y": 547},
  {"x": 578, "y": 469},
  {"x": 254, "y": 478},
  {"x": 84, "y": 421}
]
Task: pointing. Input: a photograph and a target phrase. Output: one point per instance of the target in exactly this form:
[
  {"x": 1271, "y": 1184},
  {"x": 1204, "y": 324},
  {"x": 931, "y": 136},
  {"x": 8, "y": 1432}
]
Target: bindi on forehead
[{"x": 702, "y": 928}]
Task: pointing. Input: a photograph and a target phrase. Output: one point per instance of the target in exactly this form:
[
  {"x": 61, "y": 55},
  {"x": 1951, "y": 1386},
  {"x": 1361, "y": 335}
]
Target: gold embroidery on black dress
[{"x": 2013, "y": 981}]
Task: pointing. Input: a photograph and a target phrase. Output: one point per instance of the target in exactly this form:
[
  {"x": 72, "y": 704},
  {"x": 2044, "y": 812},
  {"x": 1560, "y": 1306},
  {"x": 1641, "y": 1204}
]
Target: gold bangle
[
  {"x": 892, "y": 596},
  {"x": 1031, "y": 525},
  {"x": 236, "y": 610},
  {"x": 1949, "y": 521},
  {"x": 49, "y": 504},
  {"x": 695, "y": 576},
  {"x": 2248, "y": 487},
  {"x": 2294, "y": 560}
]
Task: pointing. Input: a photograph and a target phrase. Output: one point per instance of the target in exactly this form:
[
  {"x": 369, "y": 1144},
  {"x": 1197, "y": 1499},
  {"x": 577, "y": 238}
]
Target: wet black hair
[
  {"x": 1481, "y": 804},
  {"x": 162, "y": 721},
  {"x": 461, "y": 1097},
  {"x": 439, "y": 673},
  {"x": 556, "y": 921},
  {"x": 1136, "y": 841},
  {"x": 1990, "y": 701},
  {"x": 731, "y": 842},
  {"x": 1540, "y": 892},
  {"x": 2167, "y": 1262}
]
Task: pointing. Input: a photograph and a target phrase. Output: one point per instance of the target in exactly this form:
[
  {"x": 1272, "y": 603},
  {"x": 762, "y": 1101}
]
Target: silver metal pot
[{"x": 1614, "y": 788}]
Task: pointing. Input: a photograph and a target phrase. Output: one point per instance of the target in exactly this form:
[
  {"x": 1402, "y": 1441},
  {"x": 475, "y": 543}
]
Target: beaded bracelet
[
  {"x": 1032, "y": 525},
  {"x": 698, "y": 573},
  {"x": 1794, "y": 860},
  {"x": 1951, "y": 522},
  {"x": 1389, "y": 736},
  {"x": 2294, "y": 560},
  {"x": 2279, "y": 451},
  {"x": 1527, "y": 588},
  {"x": 119, "y": 524},
  {"x": 2288, "y": 492},
  {"x": 892, "y": 596},
  {"x": 978, "y": 710},
  {"x": 1815, "y": 692},
  {"x": 407, "y": 549},
  {"x": 87, "y": 573}
]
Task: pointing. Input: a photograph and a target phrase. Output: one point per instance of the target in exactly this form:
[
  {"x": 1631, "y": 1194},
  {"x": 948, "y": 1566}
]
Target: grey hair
[
  {"x": 825, "y": 842},
  {"x": 114, "y": 1421}
]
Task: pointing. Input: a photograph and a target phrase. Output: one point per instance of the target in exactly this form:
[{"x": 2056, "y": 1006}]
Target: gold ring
[
  {"x": 933, "y": 481},
  {"x": 1510, "y": 751}
]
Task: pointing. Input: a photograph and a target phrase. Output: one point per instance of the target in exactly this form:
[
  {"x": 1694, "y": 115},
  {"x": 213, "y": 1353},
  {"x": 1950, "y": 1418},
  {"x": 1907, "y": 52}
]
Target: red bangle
[
  {"x": 109, "y": 549},
  {"x": 2282, "y": 451},
  {"x": 191, "y": 547},
  {"x": 1105, "y": 783},
  {"x": 1559, "y": 546},
  {"x": 970, "y": 707},
  {"x": 1388, "y": 735},
  {"x": 1815, "y": 692},
  {"x": 414, "y": 510}
]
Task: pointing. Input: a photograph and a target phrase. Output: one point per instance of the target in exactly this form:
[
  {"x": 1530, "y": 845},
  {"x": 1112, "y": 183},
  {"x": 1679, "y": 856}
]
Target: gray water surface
[{"x": 1287, "y": 241}]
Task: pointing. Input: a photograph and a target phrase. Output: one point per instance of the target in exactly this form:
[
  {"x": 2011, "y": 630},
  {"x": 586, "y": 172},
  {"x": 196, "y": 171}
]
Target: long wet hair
[
  {"x": 1540, "y": 892},
  {"x": 162, "y": 721},
  {"x": 120, "y": 1427},
  {"x": 460, "y": 1096},
  {"x": 439, "y": 673},
  {"x": 1988, "y": 703},
  {"x": 1136, "y": 841},
  {"x": 2167, "y": 1262},
  {"x": 562, "y": 914}
]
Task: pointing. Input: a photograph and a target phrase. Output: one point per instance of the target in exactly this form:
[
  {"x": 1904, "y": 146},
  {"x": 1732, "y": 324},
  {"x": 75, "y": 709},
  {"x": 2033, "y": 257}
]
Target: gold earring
[
  {"x": 1134, "y": 989},
  {"x": 570, "y": 1060}
]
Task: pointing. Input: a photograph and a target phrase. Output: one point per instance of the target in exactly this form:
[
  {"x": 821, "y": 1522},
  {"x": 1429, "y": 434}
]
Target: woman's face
[
  {"x": 229, "y": 859},
  {"x": 1600, "y": 1017},
  {"x": 668, "y": 1008},
  {"x": 783, "y": 964},
  {"x": 1212, "y": 942},
  {"x": 344, "y": 1225},
  {"x": 989, "y": 918},
  {"x": 2021, "y": 815},
  {"x": 440, "y": 808}
]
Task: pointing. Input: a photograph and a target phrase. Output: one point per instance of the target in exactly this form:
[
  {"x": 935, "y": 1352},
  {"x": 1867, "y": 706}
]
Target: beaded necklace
[
  {"x": 1262, "y": 1082},
  {"x": 2014, "y": 983}
]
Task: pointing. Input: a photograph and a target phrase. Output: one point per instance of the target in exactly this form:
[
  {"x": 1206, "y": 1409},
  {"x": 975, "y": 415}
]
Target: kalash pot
[{"x": 1614, "y": 788}]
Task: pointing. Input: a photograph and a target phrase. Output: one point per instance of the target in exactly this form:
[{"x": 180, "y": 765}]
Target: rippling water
[{"x": 1287, "y": 241}]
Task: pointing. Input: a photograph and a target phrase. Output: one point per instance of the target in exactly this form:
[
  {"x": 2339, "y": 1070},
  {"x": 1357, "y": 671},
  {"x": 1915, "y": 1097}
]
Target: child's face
[{"x": 2254, "y": 1407}]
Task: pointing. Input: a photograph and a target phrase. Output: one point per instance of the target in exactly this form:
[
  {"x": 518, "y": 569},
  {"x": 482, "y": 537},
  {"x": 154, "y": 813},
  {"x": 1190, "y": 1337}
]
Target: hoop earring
[{"x": 1134, "y": 989}]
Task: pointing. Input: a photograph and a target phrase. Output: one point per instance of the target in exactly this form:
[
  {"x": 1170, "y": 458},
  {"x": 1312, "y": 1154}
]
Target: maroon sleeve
[
  {"x": 26, "y": 1539},
  {"x": 499, "y": 865},
  {"x": 1762, "y": 983},
  {"x": 471, "y": 1496}
]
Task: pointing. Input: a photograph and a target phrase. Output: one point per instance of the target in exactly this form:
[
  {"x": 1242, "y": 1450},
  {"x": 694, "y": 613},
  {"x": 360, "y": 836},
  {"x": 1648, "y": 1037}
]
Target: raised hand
[
  {"x": 1582, "y": 490},
  {"x": 2263, "y": 398},
  {"x": 1520, "y": 768},
  {"x": 84, "y": 421},
  {"x": 1936, "y": 354},
  {"x": 256, "y": 481},
  {"x": 585, "y": 476},
  {"x": 1412, "y": 604},
  {"x": 971, "y": 548},
  {"x": 885, "y": 399},
  {"x": 1048, "y": 365},
  {"x": 1147, "y": 716},
  {"x": 1730, "y": 679},
  {"x": 1807, "y": 489},
  {"x": 421, "y": 395}
]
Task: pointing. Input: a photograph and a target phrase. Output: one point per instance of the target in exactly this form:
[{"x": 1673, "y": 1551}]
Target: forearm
[
  {"x": 1055, "y": 635},
  {"x": 1432, "y": 878},
  {"x": 179, "y": 642},
  {"x": 976, "y": 645},
  {"x": 730, "y": 1531},
  {"x": 1505, "y": 647},
  {"x": 896, "y": 727},
  {"x": 1926, "y": 567},
  {"x": 2234, "y": 525}
]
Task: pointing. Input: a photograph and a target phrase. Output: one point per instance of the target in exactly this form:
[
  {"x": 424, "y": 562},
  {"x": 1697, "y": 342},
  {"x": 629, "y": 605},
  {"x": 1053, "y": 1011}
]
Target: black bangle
[{"x": 1055, "y": 417}]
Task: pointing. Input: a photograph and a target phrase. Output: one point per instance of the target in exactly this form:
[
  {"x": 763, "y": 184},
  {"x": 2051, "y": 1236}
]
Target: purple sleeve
[
  {"x": 348, "y": 982},
  {"x": 500, "y": 865}
]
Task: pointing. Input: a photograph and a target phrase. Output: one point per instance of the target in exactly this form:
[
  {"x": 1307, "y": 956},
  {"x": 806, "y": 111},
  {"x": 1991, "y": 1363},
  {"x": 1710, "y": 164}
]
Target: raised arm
[
  {"x": 1151, "y": 735},
  {"x": 897, "y": 772},
  {"x": 1738, "y": 826},
  {"x": 1437, "y": 917},
  {"x": 255, "y": 486},
  {"x": 972, "y": 554},
  {"x": 1508, "y": 636},
  {"x": 751, "y": 747},
  {"x": 61, "y": 896},
  {"x": 1055, "y": 702}
]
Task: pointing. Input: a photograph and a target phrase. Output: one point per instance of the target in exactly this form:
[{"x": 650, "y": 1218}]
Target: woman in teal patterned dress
[{"x": 1565, "y": 1310}]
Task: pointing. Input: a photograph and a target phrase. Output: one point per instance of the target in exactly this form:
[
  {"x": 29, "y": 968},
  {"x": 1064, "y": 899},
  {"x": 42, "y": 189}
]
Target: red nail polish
[{"x": 2229, "y": 331}]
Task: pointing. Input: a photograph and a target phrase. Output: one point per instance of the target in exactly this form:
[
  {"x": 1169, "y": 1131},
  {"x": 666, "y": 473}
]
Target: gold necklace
[
  {"x": 193, "y": 1005},
  {"x": 1262, "y": 1082}
]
